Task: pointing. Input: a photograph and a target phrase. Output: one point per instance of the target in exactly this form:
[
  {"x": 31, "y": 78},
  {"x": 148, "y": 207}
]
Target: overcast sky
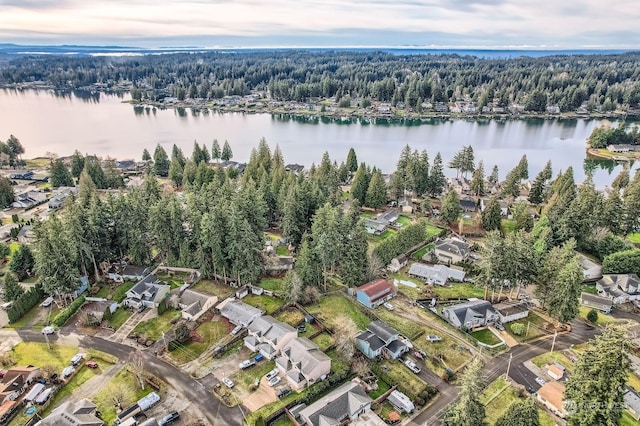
[{"x": 232, "y": 23}]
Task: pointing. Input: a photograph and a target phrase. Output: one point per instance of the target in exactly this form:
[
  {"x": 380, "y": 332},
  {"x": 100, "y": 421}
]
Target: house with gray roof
[
  {"x": 81, "y": 413},
  {"x": 148, "y": 292},
  {"x": 344, "y": 405},
  {"x": 194, "y": 304},
  {"x": 60, "y": 195},
  {"x": 591, "y": 270},
  {"x": 238, "y": 313},
  {"x": 512, "y": 310},
  {"x": 379, "y": 339},
  {"x": 303, "y": 363},
  {"x": 451, "y": 250},
  {"x": 471, "y": 314},
  {"x": 374, "y": 227},
  {"x": 268, "y": 336},
  {"x": 601, "y": 303},
  {"x": 389, "y": 217},
  {"x": 632, "y": 403},
  {"x": 621, "y": 288},
  {"x": 436, "y": 274}
]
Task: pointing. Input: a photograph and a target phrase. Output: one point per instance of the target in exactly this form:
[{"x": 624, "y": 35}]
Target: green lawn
[
  {"x": 455, "y": 354},
  {"x": 120, "y": 292},
  {"x": 627, "y": 420},
  {"x": 30, "y": 319},
  {"x": 153, "y": 328},
  {"x": 404, "y": 326},
  {"x": 498, "y": 397},
  {"x": 323, "y": 340},
  {"x": 536, "y": 327},
  {"x": 211, "y": 332},
  {"x": 282, "y": 250},
  {"x": 291, "y": 316},
  {"x": 334, "y": 305},
  {"x": 382, "y": 388},
  {"x": 602, "y": 318},
  {"x": 404, "y": 221},
  {"x": 550, "y": 358},
  {"x": 507, "y": 226},
  {"x": 590, "y": 288},
  {"x": 119, "y": 317},
  {"x": 214, "y": 288},
  {"x": 246, "y": 377},
  {"x": 485, "y": 336},
  {"x": 377, "y": 239},
  {"x": 424, "y": 250},
  {"x": 124, "y": 379},
  {"x": 31, "y": 353},
  {"x": 104, "y": 292},
  {"x": 267, "y": 303},
  {"x": 634, "y": 381},
  {"x": 282, "y": 421},
  {"x": 462, "y": 290},
  {"x": 432, "y": 230},
  {"x": 272, "y": 284},
  {"x": 401, "y": 374}
]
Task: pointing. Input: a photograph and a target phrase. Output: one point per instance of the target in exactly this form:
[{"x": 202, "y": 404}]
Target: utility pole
[
  {"x": 506, "y": 376},
  {"x": 527, "y": 333},
  {"x": 553, "y": 344}
]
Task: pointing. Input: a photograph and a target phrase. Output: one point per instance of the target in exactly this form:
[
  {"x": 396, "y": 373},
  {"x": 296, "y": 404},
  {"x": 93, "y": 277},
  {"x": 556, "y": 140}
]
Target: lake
[{"x": 101, "y": 124}]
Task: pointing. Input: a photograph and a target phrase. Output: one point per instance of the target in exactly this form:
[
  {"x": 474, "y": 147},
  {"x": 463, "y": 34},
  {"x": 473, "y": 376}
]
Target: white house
[
  {"x": 268, "y": 336},
  {"x": 621, "y": 288},
  {"x": 194, "y": 304},
  {"x": 511, "y": 311},
  {"x": 148, "y": 292},
  {"x": 397, "y": 263},
  {"x": 436, "y": 274},
  {"x": 471, "y": 314}
]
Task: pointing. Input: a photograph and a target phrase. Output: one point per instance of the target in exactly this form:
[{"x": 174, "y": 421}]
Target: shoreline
[{"x": 604, "y": 154}]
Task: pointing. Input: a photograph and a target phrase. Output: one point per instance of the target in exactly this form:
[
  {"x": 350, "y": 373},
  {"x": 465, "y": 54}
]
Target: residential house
[
  {"x": 375, "y": 293},
  {"x": 297, "y": 169},
  {"x": 468, "y": 204},
  {"x": 591, "y": 270},
  {"x": 594, "y": 301},
  {"x": 279, "y": 263},
  {"x": 81, "y": 413},
  {"x": 405, "y": 204},
  {"x": 194, "y": 304},
  {"x": 451, "y": 250},
  {"x": 398, "y": 263},
  {"x": 436, "y": 274},
  {"x": 29, "y": 199},
  {"x": 123, "y": 272},
  {"x": 460, "y": 184},
  {"x": 148, "y": 292},
  {"x": 511, "y": 311},
  {"x": 389, "y": 217},
  {"x": 60, "y": 195},
  {"x": 25, "y": 235},
  {"x": 380, "y": 340},
  {"x": 268, "y": 336},
  {"x": 555, "y": 371},
  {"x": 504, "y": 206},
  {"x": 622, "y": 148},
  {"x": 632, "y": 403},
  {"x": 342, "y": 406},
  {"x": 237, "y": 312},
  {"x": 15, "y": 381},
  {"x": 374, "y": 226},
  {"x": 471, "y": 314},
  {"x": 553, "y": 109},
  {"x": 621, "y": 288},
  {"x": 303, "y": 363},
  {"x": 550, "y": 396}
]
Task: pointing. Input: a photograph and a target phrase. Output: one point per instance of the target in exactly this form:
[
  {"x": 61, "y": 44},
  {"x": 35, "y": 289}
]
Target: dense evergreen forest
[{"x": 594, "y": 82}]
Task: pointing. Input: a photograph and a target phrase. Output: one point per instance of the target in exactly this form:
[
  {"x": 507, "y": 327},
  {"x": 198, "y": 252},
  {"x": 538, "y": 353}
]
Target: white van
[{"x": 6, "y": 306}]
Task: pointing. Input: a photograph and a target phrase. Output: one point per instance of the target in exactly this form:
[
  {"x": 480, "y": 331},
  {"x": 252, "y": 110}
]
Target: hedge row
[
  {"x": 64, "y": 316},
  {"x": 24, "y": 303},
  {"x": 401, "y": 242}
]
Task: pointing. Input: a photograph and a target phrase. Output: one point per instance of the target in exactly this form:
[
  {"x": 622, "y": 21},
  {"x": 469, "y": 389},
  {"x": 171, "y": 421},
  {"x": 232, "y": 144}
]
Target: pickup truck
[{"x": 246, "y": 364}]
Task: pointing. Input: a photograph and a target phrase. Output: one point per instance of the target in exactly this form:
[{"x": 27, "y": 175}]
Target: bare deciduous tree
[
  {"x": 120, "y": 394},
  {"x": 375, "y": 268},
  {"x": 136, "y": 361},
  {"x": 47, "y": 371},
  {"x": 344, "y": 335}
]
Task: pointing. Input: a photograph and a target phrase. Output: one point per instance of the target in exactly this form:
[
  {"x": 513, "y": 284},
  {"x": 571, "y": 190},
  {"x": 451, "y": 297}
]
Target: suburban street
[
  {"x": 497, "y": 366},
  {"x": 216, "y": 412}
]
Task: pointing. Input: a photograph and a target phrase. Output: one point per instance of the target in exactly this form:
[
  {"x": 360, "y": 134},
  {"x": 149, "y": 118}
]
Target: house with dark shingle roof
[
  {"x": 303, "y": 363},
  {"x": 436, "y": 274},
  {"x": 594, "y": 301},
  {"x": 511, "y": 310},
  {"x": 342, "y": 406},
  {"x": 81, "y": 413},
  {"x": 621, "y": 288},
  {"x": 238, "y": 313},
  {"x": 268, "y": 336},
  {"x": 375, "y": 293},
  {"x": 148, "y": 292},
  {"x": 471, "y": 314},
  {"x": 193, "y": 304},
  {"x": 451, "y": 250},
  {"x": 379, "y": 339}
]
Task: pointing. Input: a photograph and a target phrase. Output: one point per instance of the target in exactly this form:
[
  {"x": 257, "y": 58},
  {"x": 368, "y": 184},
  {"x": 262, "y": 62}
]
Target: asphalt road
[
  {"x": 216, "y": 412},
  {"x": 580, "y": 333}
]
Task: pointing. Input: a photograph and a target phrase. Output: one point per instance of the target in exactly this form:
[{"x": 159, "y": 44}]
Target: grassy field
[
  {"x": 463, "y": 291},
  {"x": 382, "y": 388},
  {"x": 406, "y": 327},
  {"x": 267, "y": 303},
  {"x": 246, "y": 377},
  {"x": 282, "y": 250},
  {"x": 497, "y": 398},
  {"x": 377, "y": 239},
  {"x": 76, "y": 381},
  {"x": 432, "y": 230},
  {"x": 333, "y": 306},
  {"x": 507, "y": 226},
  {"x": 273, "y": 284},
  {"x": 550, "y": 358},
  {"x": 634, "y": 238},
  {"x": 214, "y": 288},
  {"x": 424, "y": 250},
  {"x": 119, "y": 317},
  {"x": 153, "y": 328},
  {"x": 453, "y": 352},
  {"x": 627, "y": 420},
  {"x": 410, "y": 292},
  {"x": 634, "y": 381},
  {"x": 323, "y": 340},
  {"x": 536, "y": 327},
  {"x": 291, "y": 316},
  {"x": 124, "y": 379},
  {"x": 404, "y": 221},
  {"x": 31, "y": 320},
  {"x": 120, "y": 292},
  {"x": 211, "y": 332},
  {"x": 485, "y": 336},
  {"x": 401, "y": 374},
  {"x": 31, "y": 353},
  {"x": 602, "y": 318}
]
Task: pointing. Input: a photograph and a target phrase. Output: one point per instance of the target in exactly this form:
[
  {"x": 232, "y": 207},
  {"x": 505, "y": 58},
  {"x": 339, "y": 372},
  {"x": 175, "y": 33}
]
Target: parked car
[
  {"x": 48, "y": 330},
  {"x": 388, "y": 305},
  {"x": 282, "y": 391},
  {"x": 228, "y": 382},
  {"x": 499, "y": 326},
  {"x": 258, "y": 358},
  {"x": 246, "y": 364},
  {"x": 302, "y": 328},
  {"x": 7, "y": 305},
  {"x": 531, "y": 390},
  {"x": 271, "y": 374},
  {"x": 236, "y": 330},
  {"x": 77, "y": 359},
  {"x": 412, "y": 366},
  {"x": 169, "y": 418},
  {"x": 433, "y": 338},
  {"x": 274, "y": 381},
  {"x": 47, "y": 302},
  {"x": 418, "y": 355},
  {"x": 92, "y": 364},
  {"x": 540, "y": 381}
]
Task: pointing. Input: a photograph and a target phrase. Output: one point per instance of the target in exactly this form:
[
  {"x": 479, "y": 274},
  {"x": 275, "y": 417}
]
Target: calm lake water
[{"x": 103, "y": 125}]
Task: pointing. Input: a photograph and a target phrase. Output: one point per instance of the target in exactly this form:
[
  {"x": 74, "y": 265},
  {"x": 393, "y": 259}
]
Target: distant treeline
[
  {"x": 599, "y": 82},
  {"x": 602, "y": 137}
]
